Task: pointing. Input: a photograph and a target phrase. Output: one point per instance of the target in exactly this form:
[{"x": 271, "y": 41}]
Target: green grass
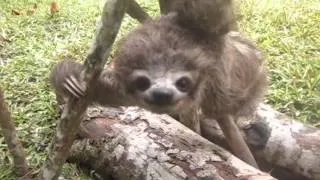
[{"x": 288, "y": 33}]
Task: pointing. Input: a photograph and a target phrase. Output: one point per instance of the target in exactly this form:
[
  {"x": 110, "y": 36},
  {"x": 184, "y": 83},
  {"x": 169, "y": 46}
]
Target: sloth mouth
[
  {"x": 160, "y": 107},
  {"x": 160, "y": 103},
  {"x": 172, "y": 107}
]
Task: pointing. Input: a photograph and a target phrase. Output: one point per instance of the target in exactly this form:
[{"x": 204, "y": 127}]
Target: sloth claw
[{"x": 74, "y": 87}]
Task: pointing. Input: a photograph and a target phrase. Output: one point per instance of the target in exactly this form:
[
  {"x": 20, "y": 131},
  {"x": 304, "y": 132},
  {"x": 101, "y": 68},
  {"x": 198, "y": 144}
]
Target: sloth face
[{"x": 162, "y": 90}]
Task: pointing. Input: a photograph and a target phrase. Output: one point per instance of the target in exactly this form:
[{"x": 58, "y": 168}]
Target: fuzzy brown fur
[
  {"x": 233, "y": 78},
  {"x": 195, "y": 36},
  {"x": 209, "y": 17}
]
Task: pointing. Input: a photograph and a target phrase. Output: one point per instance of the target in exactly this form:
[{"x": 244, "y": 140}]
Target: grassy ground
[{"x": 288, "y": 33}]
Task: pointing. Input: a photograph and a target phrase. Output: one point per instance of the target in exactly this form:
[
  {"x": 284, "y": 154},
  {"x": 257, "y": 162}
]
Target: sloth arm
[{"x": 109, "y": 92}]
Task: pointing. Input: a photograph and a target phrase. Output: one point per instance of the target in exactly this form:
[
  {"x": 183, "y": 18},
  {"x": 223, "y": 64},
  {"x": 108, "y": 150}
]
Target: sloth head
[
  {"x": 164, "y": 82},
  {"x": 160, "y": 67}
]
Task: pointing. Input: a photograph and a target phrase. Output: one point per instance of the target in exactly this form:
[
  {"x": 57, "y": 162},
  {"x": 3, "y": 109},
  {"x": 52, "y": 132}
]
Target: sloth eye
[
  {"x": 184, "y": 84},
  {"x": 142, "y": 83}
]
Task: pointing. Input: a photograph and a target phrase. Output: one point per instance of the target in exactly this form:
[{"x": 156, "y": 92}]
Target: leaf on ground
[
  {"x": 4, "y": 39},
  {"x": 54, "y": 8},
  {"x": 17, "y": 12}
]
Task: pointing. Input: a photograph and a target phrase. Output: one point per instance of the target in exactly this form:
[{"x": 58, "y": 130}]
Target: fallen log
[
  {"x": 135, "y": 144},
  {"x": 286, "y": 148},
  {"x": 283, "y": 145}
]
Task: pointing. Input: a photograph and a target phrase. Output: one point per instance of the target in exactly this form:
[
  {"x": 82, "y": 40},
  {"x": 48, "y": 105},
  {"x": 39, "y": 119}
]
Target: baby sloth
[{"x": 170, "y": 66}]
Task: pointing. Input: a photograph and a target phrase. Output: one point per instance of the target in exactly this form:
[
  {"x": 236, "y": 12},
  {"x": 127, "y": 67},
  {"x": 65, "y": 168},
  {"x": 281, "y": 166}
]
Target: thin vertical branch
[
  {"x": 136, "y": 12},
  {"x": 12, "y": 139},
  {"x": 68, "y": 126},
  {"x": 164, "y": 6}
]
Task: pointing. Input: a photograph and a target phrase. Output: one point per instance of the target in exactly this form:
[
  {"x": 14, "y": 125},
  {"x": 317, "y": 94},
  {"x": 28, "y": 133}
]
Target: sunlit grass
[{"x": 289, "y": 34}]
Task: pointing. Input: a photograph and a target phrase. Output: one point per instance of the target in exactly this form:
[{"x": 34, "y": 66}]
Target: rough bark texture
[
  {"x": 12, "y": 140},
  {"x": 120, "y": 140},
  {"x": 282, "y": 145},
  {"x": 136, "y": 12},
  {"x": 136, "y": 144},
  {"x": 68, "y": 126}
]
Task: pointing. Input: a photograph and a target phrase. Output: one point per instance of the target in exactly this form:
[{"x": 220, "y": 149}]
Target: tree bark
[
  {"x": 288, "y": 149},
  {"x": 12, "y": 140},
  {"x": 136, "y": 144}
]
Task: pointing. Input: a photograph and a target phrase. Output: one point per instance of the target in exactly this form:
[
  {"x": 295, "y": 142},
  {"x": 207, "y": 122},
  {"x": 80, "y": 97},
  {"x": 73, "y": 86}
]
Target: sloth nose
[{"x": 162, "y": 96}]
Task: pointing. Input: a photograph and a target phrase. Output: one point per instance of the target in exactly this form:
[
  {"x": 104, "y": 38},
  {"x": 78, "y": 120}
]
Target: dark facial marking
[
  {"x": 184, "y": 84},
  {"x": 142, "y": 83}
]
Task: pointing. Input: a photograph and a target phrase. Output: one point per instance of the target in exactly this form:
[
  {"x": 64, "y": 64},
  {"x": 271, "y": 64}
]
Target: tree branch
[
  {"x": 136, "y": 12},
  {"x": 68, "y": 126},
  {"x": 12, "y": 139},
  {"x": 164, "y": 6}
]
